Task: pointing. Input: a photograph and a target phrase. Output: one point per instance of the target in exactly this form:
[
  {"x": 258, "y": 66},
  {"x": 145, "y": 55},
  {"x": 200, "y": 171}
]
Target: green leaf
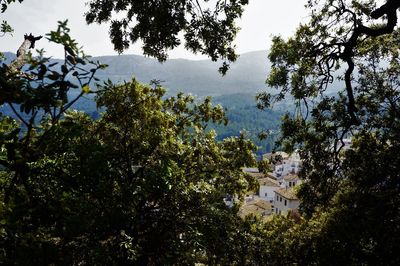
[
  {"x": 69, "y": 50},
  {"x": 64, "y": 69},
  {"x": 86, "y": 88}
]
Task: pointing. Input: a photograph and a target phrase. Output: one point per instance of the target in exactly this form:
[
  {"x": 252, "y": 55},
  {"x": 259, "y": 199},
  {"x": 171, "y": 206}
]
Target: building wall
[
  {"x": 267, "y": 192},
  {"x": 282, "y": 207},
  {"x": 294, "y": 204},
  {"x": 292, "y": 183},
  {"x": 289, "y": 166}
]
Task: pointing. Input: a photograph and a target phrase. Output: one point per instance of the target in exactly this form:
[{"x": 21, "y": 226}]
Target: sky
[{"x": 261, "y": 20}]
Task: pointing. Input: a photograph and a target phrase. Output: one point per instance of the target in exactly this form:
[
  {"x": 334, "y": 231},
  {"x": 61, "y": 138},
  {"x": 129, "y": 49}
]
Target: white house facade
[
  {"x": 267, "y": 188},
  {"x": 288, "y": 165},
  {"x": 285, "y": 200}
]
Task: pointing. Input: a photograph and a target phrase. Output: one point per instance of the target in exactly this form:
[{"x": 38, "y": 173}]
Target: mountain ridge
[{"x": 199, "y": 77}]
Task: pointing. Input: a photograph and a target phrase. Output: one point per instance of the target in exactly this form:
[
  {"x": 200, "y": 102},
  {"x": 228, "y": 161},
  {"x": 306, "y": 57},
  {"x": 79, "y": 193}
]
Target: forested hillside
[
  {"x": 201, "y": 78},
  {"x": 243, "y": 115},
  {"x": 240, "y": 109},
  {"x": 236, "y": 91}
]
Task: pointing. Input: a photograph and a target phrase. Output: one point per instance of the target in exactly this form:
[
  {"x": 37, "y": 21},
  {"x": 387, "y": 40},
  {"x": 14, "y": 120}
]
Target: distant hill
[
  {"x": 199, "y": 77},
  {"x": 236, "y": 91},
  {"x": 243, "y": 115}
]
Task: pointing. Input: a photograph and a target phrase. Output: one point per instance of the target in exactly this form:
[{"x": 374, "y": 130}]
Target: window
[
  {"x": 280, "y": 199},
  {"x": 266, "y": 194},
  {"x": 277, "y": 198},
  {"x": 285, "y": 202}
]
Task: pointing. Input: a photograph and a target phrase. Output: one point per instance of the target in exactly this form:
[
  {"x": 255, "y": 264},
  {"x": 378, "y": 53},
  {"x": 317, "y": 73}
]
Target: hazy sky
[{"x": 261, "y": 20}]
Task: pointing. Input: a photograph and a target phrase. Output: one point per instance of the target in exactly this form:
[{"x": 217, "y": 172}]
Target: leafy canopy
[
  {"x": 350, "y": 195},
  {"x": 208, "y": 27},
  {"x": 144, "y": 184}
]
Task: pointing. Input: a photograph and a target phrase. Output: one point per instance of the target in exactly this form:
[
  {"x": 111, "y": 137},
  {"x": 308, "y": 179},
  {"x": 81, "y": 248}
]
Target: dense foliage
[
  {"x": 244, "y": 116},
  {"x": 208, "y": 26},
  {"x": 143, "y": 184},
  {"x": 350, "y": 196}
]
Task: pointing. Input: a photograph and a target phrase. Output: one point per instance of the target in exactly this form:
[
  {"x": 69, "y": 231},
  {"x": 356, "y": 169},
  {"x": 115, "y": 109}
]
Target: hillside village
[
  {"x": 277, "y": 189},
  {"x": 276, "y": 193}
]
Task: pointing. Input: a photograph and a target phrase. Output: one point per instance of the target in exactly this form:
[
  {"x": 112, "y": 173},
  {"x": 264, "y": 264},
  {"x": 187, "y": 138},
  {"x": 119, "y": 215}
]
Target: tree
[
  {"x": 6, "y": 3},
  {"x": 208, "y": 26},
  {"x": 350, "y": 196},
  {"x": 144, "y": 184}
]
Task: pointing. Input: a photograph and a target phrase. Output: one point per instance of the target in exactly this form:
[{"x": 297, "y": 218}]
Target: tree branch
[
  {"x": 389, "y": 9},
  {"x": 29, "y": 43}
]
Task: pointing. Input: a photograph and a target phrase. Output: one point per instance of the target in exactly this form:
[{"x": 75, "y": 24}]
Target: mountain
[
  {"x": 200, "y": 78},
  {"x": 243, "y": 115},
  {"x": 235, "y": 91}
]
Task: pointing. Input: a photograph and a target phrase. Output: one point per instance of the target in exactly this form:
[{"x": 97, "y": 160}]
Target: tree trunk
[{"x": 29, "y": 42}]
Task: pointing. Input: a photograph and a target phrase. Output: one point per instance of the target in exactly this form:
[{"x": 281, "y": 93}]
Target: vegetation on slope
[{"x": 144, "y": 184}]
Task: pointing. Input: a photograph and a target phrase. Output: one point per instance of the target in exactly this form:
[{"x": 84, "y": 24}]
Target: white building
[
  {"x": 285, "y": 200},
  {"x": 290, "y": 165},
  {"x": 267, "y": 184},
  {"x": 267, "y": 188},
  {"x": 276, "y": 188},
  {"x": 290, "y": 180}
]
